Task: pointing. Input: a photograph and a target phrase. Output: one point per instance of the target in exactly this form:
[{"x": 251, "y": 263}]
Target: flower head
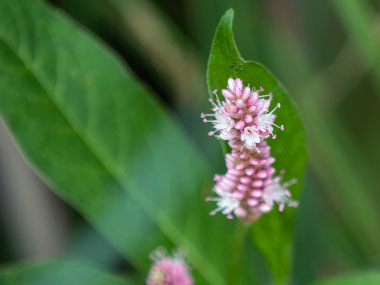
[
  {"x": 249, "y": 188},
  {"x": 243, "y": 115},
  {"x": 168, "y": 270}
]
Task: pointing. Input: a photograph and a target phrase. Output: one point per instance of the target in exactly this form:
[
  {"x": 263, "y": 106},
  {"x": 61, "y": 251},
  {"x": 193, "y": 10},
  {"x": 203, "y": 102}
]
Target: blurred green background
[{"x": 327, "y": 55}]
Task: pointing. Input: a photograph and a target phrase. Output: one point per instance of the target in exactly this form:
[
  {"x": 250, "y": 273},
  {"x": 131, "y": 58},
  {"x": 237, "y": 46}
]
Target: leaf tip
[{"x": 228, "y": 15}]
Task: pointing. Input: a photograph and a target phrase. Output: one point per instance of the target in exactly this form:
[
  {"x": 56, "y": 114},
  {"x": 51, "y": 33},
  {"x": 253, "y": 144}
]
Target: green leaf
[
  {"x": 58, "y": 273},
  {"x": 104, "y": 145},
  {"x": 360, "y": 21},
  {"x": 367, "y": 278},
  {"x": 273, "y": 232}
]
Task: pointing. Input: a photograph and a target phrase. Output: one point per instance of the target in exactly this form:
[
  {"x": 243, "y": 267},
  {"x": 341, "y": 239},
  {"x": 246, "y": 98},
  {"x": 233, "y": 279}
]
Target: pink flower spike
[
  {"x": 215, "y": 91},
  {"x": 169, "y": 270},
  {"x": 244, "y": 119}
]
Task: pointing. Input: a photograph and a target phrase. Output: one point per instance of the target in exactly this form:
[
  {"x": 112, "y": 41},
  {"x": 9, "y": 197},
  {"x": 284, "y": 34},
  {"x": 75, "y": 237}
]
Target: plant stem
[{"x": 240, "y": 234}]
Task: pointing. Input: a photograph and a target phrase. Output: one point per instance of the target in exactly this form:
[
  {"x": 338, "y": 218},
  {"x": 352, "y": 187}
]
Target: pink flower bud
[{"x": 240, "y": 125}]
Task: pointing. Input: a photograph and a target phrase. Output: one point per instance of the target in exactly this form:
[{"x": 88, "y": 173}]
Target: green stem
[{"x": 240, "y": 234}]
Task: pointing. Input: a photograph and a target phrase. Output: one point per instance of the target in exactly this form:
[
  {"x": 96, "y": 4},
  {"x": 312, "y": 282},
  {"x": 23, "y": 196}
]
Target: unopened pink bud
[
  {"x": 252, "y": 109},
  {"x": 262, "y": 174},
  {"x": 245, "y": 180},
  {"x": 244, "y": 155},
  {"x": 231, "y": 109},
  {"x": 239, "y": 83},
  {"x": 252, "y": 202},
  {"x": 228, "y": 94},
  {"x": 240, "y": 125},
  {"x": 257, "y": 183},
  {"x": 248, "y": 118},
  {"x": 242, "y": 187},
  {"x": 252, "y": 99},
  {"x": 256, "y": 193},
  {"x": 246, "y": 93},
  {"x": 254, "y": 161},
  {"x": 271, "y": 171},
  {"x": 238, "y": 195},
  {"x": 238, "y": 91},
  {"x": 250, "y": 171},
  {"x": 240, "y": 103},
  {"x": 240, "y": 166},
  {"x": 231, "y": 84}
]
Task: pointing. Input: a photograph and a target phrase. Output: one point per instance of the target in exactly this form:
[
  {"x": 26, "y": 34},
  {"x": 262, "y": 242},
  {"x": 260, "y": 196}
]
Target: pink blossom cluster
[
  {"x": 169, "y": 270},
  {"x": 249, "y": 188},
  {"x": 244, "y": 115}
]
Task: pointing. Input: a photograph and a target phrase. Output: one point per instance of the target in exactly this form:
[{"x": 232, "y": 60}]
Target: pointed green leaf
[
  {"x": 58, "y": 272},
  {"x": 367, "y": 278},
  {"x": 273, "y": 232},
  {"x": 104, "y": 144}
]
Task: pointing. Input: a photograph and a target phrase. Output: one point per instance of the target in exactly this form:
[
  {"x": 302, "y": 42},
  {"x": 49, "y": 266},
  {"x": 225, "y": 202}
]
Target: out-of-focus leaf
[
  {"x": 367, "y": 278},
  {"x": 273, "y": 232},
  {"x": 335, "y": 162},
  {"x": 104, "y": 145},
  {"x": 362, "y": 27},
  {"x": 58, "y": 273}
]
